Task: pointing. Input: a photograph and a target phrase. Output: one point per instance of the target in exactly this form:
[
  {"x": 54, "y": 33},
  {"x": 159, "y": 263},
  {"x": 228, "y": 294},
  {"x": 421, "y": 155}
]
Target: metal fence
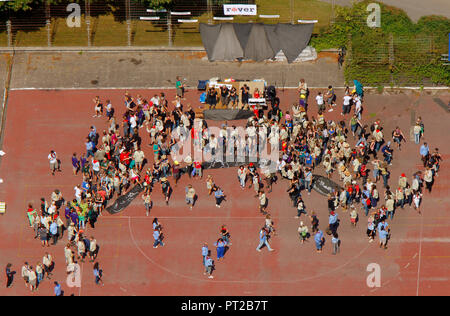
[{"x": 129, "y": 22}]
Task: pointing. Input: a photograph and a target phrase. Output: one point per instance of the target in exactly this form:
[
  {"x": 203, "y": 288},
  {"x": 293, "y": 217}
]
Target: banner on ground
[
  {"x": 239, "y": 9},
  {"x": 123, "y": 201}
]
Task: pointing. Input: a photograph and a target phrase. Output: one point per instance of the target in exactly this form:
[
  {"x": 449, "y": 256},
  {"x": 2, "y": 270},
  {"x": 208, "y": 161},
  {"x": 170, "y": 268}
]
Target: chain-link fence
[{"x": 131, "y": 23}]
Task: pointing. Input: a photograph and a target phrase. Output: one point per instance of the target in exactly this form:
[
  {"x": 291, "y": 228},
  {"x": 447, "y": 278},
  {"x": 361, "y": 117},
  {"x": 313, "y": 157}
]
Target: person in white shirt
[
  {"x": 78, "y": 192},
  {"x": 346, "y": 105},
  {"x": 47, "y": 261},
  {"x": 358, "y": 106},
  {"x": 25, "y": 273},
  {"x": 68, "y": 254},
  {"x": 32, "y": 279},
  {"x": 155, "y": 100},
  {"x": 92, "y": 249},
  {"x": 213, "y": 143},
  {"x": 54, "y": 162},
  {"x": 320, "y": 103}
]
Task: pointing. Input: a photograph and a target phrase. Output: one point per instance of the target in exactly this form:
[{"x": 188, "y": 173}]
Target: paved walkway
[{"x": 157, "y": 69}]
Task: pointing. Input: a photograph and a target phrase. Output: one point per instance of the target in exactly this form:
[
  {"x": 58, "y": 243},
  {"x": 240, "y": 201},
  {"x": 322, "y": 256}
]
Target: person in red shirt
[
  {"x": 125, "y": 158},
  {"x": 198, "y": 169}
]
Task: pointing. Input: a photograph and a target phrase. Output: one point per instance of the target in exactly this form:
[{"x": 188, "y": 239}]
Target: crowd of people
[{"x": 114, "y": 162}]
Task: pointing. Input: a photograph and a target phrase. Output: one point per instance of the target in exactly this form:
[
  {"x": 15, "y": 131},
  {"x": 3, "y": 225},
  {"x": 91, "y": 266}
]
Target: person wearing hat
[
  {"x": 176, "y": 171},
  {"x": 399, "y": 197},
  {"x": 402, "y": 181}
]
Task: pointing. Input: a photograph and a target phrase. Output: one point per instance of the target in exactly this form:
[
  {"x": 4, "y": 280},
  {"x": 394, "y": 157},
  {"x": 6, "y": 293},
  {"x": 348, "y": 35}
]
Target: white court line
[
  {"x": 420, "y": 257},
  {"x": 352, "y": 260}
]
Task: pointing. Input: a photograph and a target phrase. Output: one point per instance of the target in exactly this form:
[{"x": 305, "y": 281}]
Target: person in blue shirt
[
  {"x": 98, "y": 274},
  {"x": 158, "y": 240},
  {"x": 424, "y": 153},
  {"x": 85, "y": 186},
  {"x": 382, "y": 225},
  {"x": 362, "y": 141},
  {"x": 387, "y": 152},
  {"x": 218, "y": 194},
  {"x": 220, "y": 244},
  {"x": 318, "y": 238},
  {"x": 335, "y": 242},
  {"x": 383, "y": 235},
  {"x": 89, "y": 148},
  {"x": 263, "y": 234},
  {"x": 209, "y": 264},
  {"x": 57, "y": 289},
  {"x": 365, "y": 197},
  {"x": 333, "y": 222},
  {"x": 54, "y": 232},
  {"x": 205, "y": 252}
]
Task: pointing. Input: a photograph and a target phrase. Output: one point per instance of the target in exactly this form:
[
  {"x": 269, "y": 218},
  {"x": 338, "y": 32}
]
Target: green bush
[{"x": 417, "y": 47}]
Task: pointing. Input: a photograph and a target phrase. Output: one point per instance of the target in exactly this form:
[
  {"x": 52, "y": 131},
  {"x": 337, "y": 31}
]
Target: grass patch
[{"x": 106, "y": 31}]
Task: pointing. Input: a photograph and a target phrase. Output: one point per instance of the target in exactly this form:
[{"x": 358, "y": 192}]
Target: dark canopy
[
  {"x": 293, "y": 39},
  {"x": 258, "y": 47},
  {"x": 256, "y": 41}
]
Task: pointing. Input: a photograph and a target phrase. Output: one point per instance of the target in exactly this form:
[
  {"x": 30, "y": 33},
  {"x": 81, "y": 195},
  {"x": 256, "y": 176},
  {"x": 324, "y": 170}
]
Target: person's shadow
[{"x": 195, "y": 200}]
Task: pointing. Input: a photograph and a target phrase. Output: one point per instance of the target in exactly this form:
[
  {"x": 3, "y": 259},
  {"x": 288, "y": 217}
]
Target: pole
[
  {"x": 47, "y": 23},
  {"x": 88, "y": 27},
  {"x": 209, "y": 8},
  {"x": 49, "y": 37},
  {"x": 127, "y": 10},
  {"x": 169, "y": 27},
  {"x": 88, "y": 21},
  {"x": 292, "y": 11},
  {"x": 8, "y": 30}
]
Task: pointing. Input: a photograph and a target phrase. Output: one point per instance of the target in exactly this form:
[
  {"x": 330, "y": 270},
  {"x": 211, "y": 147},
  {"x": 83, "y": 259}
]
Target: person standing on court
[
  {"x": 9, "y": 275},
  {"x": 53, "y": 159},
  {"x": 209, "y": 264},
  {"x": 263, "y": 234},
  {"x": 220, "y": 244},
  {"x": 158, "y": 239},
  {"x": 218, "y": 194},
  {"x": 98, "y": 273},
  {"x": 335, "y": 243},
  {"x": 190, "y": 196},
  {"x": 180, "y": 87},
  {"x": 205, "y": 252},
  {"x": 318, "y": 238},
  {"x": 57, "y": 289}
]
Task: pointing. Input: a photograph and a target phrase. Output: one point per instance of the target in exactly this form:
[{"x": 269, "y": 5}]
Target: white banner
[{"x": 239, "y": 9}]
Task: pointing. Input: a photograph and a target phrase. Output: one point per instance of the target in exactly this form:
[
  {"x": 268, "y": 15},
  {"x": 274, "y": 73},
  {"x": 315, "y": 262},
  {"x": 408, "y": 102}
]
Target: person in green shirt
[
  {"x": 92, "y": 217},
  {"x": 82, "y": 213},
  {"x": 180, "y": 87},
  {"x": 31, "y": 213}
]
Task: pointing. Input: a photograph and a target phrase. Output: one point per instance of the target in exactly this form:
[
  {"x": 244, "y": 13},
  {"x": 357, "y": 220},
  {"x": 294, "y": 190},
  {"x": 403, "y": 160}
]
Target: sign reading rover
[{"x": 239, "y": 9}]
